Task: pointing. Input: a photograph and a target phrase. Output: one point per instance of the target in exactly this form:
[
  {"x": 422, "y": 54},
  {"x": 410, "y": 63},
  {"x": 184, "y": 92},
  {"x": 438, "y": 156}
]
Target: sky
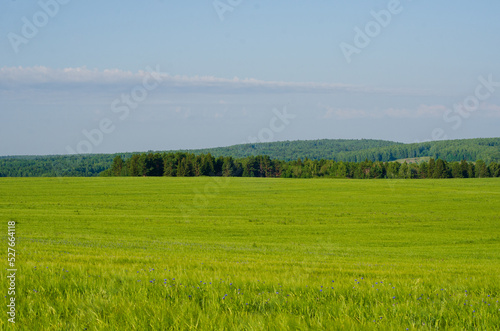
[{"x": 129, "y": 76}]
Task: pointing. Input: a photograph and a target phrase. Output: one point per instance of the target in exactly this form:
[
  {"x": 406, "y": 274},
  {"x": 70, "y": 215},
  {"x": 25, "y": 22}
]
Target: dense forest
[
  {"x": 189, "y": 165},
  {"x": 338, "y": 150},
  {"x": 345, "y": 151},
  {"x": 55, "y": 166},
  {"x": 487, "y": 149}
]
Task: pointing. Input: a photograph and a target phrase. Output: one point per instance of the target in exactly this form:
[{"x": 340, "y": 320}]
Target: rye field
[{"x": 253, "y": 254}]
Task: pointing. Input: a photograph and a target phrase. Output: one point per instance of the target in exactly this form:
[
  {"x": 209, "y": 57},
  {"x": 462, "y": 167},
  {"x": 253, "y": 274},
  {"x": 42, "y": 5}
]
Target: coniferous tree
[
  {"x": 481, "y": 169},
  {"x": 456, "y": 170},
  {"x": 197, "y": 166},
  {"x": 133, "y": 165},
  {"x": 116, "y": 168},
  {"x": 228, "y": 167},
  {"x": 185, "y": 168},
  {"x": 404, "y": 171},
  {"x": 471, "y": 171},
  {"x": 430, "y": 168},
  {"x": 218, "y": 163},
  {"x": 494, "y": 169},
  {"x": 207, "y": 165},
  {"x": 441, "y": 169},
  {"x": 413, "y": 171},
  {"x": 423, "y": 169},
  {"x": 393, "y": 169},
  {"x": 250, "y": 167},
  {"x": 341, "y": 170},
  {"x": 141, "y": 165},
  {"x": 464, "y": 169},
  {"x": 169, "y": 165}
]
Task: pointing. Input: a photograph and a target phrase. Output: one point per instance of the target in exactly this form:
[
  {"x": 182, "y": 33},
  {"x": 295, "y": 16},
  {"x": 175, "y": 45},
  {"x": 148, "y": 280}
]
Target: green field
[{"x": 253, "y": 254}]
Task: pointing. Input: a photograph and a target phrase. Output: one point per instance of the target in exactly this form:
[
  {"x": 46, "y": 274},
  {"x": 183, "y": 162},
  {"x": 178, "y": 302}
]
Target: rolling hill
[{"x": 486, "y": 149}]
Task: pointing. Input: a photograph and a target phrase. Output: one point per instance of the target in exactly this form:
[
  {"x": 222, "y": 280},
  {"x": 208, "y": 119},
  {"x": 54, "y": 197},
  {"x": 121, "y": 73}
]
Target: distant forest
[
  {"x": 277, "y": 159},
  {"x": 191, "y": 165}
]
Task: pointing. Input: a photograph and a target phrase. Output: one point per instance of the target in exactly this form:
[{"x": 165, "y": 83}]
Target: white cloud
[
  {"x": 396, "y": 113},
  {"x": 345, "y": 113},
  {"x": 44, "y": 75},
  {"x": 431, "y": 110},
  {"x": 422, "y": 111},
  {"x": 32, "y": 77},
  {"x": 491, "y": 110}
]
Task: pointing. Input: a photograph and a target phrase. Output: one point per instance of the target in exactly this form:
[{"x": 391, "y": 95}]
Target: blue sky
[{"x": 222, "y": 74}]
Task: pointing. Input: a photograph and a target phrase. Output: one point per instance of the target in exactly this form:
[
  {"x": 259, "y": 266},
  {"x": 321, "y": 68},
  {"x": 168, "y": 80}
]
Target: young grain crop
[{"x": 256, "y": 254}]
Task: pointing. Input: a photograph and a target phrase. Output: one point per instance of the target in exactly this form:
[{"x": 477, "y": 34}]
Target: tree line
[{"x": 182, "y": 164}]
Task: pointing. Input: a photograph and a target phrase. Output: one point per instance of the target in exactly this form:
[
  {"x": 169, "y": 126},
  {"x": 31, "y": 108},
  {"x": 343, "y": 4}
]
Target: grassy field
[{"x": 253, "y": 254}]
